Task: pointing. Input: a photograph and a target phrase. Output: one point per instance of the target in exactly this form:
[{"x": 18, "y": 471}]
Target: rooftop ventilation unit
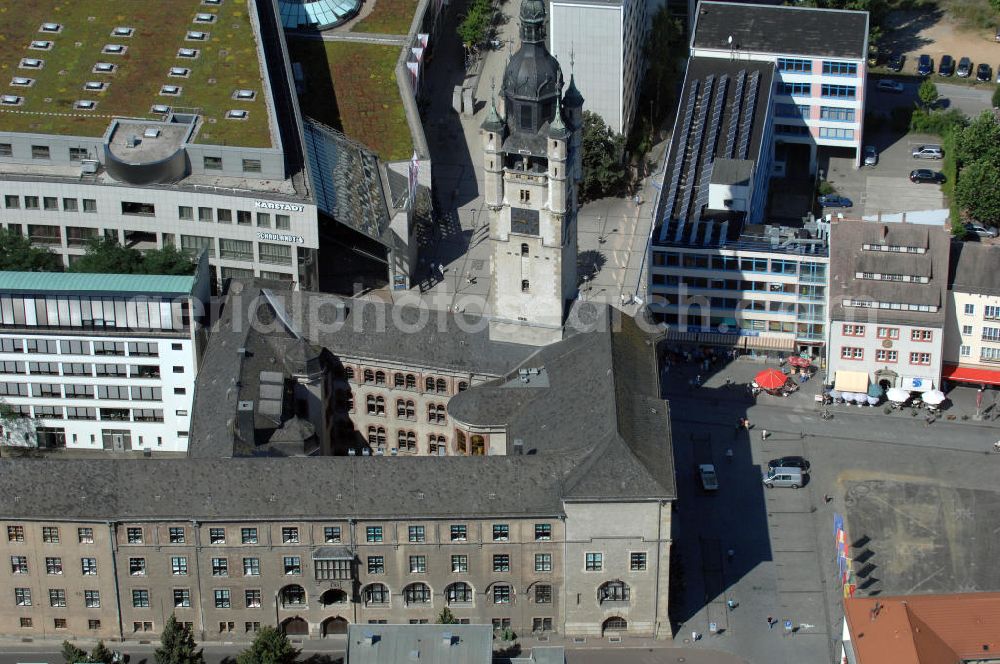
[
  {"x": 187, "y": 53},
  {"x": 89, "y": 166},
  {"x": 236, "y": 114},
  {"x": 196, "y": 35},
  {"x": 50, "y": 27},
  {"x": 22, "y": 81},
  {"x": 113, "y": 49},
  {"x": 85, "y": 105},
  {"x": 160, "y": 108},
  {"x": 41, "y": 45},
  {"x": 245, "y": 94},
  {"x": 104, "y": 68},
  {"x": 151, "y": 132},
  {"x": 171, "y": 90},
  {"x": 11, "y": 100},
  {"x": 122, "y": 31},
  {"x": 179, "y": 71},
  {"x": 94, "y": 85},
  {"x": 132, "y": 141},
  {"x": 31, "y": 63},
  {"x": 204, "y": 18}
]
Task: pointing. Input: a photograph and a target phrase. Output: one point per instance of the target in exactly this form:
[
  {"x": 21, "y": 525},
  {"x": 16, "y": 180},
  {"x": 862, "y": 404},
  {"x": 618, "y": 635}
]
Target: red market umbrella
[
  {"x": 770, "y": 379},
  {"x": 800, "y": 362}
]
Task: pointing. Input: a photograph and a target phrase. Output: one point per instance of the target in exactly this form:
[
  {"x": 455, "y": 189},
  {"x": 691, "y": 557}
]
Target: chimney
[{"x": 518, "y": 446}]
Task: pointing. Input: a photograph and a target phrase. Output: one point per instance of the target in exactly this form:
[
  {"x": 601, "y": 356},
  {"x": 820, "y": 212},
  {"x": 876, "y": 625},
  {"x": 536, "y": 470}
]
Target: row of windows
[
  {"x": 74, "y": 391},
  {"x": 458, "y": 533},
  {"x": 807, "y": 270},
  {"x": 894, "y": 248},
  {"x": 882, "y": 355},
  {"x": 990, "y": 312},
  {"x": 50, "y": 534},
  {"x": 406, "y": 381},
  {"x": 92, "y": 624},
  {"x": 828, "y": 113},
  {"x": 82, "y": 347},
  {"x": 894, "y": 306},
  {"x": 78, "y": 154},
  {"x": 855, "y": 330},
  {"x": 406, "y": 441},
  {"x": 178, "y": 535},
  {"x": 836, "y": 133},
  {"x": 85, "y": 413},
  {"x": 82, "y": 369},
  {"x": 233, "y": 249},
  {"x": 282, "y": 222},
  {"x": 48, "y": 203}
]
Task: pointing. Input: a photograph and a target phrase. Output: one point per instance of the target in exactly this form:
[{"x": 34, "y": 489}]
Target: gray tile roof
[
  {"x": 434, "y": 644},
  {"x": 782, "y": 30},
  {"x": 847, "y": 257},
  {"x": 975, "y": 268}
]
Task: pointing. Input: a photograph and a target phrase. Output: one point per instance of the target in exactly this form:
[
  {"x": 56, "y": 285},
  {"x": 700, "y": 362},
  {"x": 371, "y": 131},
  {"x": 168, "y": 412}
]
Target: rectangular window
[
  {"x": 248, "y": 535},
  {"x": 251, "y": 567},
  {"x": 289, "y": 535},
  {"x": 18, "y": 564},
  {"x": 50, "y": 535},
  {"x": 541, "y": 624},
  {"x": 264, "y": 219},
  {"x": 965, "y": 351},
  {"x": 835, "y": 114},
  {"x": 501, "y": 594},
  {"x": 15, "y": 533},
  {"x": 177, "y": 535},
  {"x": 838, "y": 91},
  {"x": 966, "y": 330},
  {"x": 836, "y": 133},
  {"x": 137, "y": 566},
  {"x": 882, "y": 355},
  {"x": 140, "y": 599},
  {"x": 222, "y": 600},
  {"x": 88, "y": 566},
  {"x": 243, "y": 218},
  {"x": 185, "y": 212},
  {"x": 50, "y": 203},
  {"x": 224, "y": 216},
  {"x": 182, "y": 598},
  {"x": 594, "y": 562},
  {"x": 92, "y": 599},
  {"x": 921, "y": 335},
  {"x": 970, "y": 310},
  {"x": 6, "y": 150},
  {"x": 89, "y": 205},
  {"x": 501, "y": 562},
  {"x": 795, "y": 65},
  {"x": 217, "y": 535},
  {"x": 212, "y": 163},
  {"x": 134, "y": 535},
  {"x": 794, "y": 89},
  {"x": 376, "y": 565},
  {"x": 85, "y": 535},
  {"x": 543, "y": 562},
  {"x": 178, "y": 565},
  {"x": 887, "y": 332},
  {"x": 418, "y": 564},
  {"x": 11, "y": 202},
  {"x": 25, "y": 622},
  {"x": 851, "y": 353},
  {"x": 920, "y": 358},
  {"x": 459, "y": 564},
  {"x": 415, "y": 534},
  {"x": 78, "y": 154},
  {"x": 991, "y": 312},
  {"x": 373, "y": 534},
  {"x": 253, "y": 599},
  {"x": 70, "y": 205},
  {"x": 59, "y": 623},
  {"x": 331, "y": 534},
  {"x": 220, "y": 567},
  {"x": 275, "y": 254},
  {"x": 791, "y": 111},
  {"x": 501, "y": 532},
  {"x": 833, "y": 68},
  {"x": 459, "y": 533},
  {"x": 53, "y": 566},
  {"x": 327, "y": 570},
  {"x": 140, "y": 209},
  {"x": 292, "y": 565},
  {"x": 282, "y": 222},
  {"x": 57, "y": 597},
  {"x": 854, "y": 330},
  {"x": 22, "y": 596},
  {"x": 637, "y": 561},
  {"x": 39, "y": 152},
  {"x": 251, "y": 165}
]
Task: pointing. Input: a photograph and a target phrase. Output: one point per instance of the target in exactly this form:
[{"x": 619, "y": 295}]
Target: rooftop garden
[
  {"x": 388, "y": 17},
  {"x": 103, "y": 256},
  {"x": 352, "y": 87},
  {"x": 79, "y": 32}
]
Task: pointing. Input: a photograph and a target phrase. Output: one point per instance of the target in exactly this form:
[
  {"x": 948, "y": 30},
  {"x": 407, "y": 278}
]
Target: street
[{"x": 12, "y": 652}]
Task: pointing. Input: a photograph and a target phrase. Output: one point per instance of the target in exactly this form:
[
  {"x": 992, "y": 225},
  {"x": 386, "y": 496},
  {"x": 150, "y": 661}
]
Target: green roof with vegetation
[
  {"x": 77, "y": 282},
  {"x": 352, "y": 87},
  {"x": 388, "y": 17},
  {"x": 227, "y": 61}
]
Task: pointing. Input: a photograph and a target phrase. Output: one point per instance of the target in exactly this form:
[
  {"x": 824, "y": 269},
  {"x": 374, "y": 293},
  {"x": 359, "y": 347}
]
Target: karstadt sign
[{"x": 280, "y": 207}]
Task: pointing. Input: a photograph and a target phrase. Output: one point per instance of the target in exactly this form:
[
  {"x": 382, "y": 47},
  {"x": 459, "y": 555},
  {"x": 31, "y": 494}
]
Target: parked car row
[
  {"x": 946, "y": 67},
  {"x": 787, "y": 471}
]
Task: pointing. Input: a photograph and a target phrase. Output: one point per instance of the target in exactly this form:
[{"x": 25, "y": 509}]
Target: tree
[
  {"x": 979, "y": 140},
  {"x": 978, "y": 191},
  {"x": 17, "y": 254},
  {"x": 168, "y": 260},
  {"x": 177, "y": 645},
  {"x": 446, "y": 617},
  {"x": 72, "y": 654},
  {"x": 106, "y": 255},
  {"x": 475, "y": 23},
  {"x": 603, "y": 172},
  {"x": 269, "y": 647},
  {"x": 928, "y": 93},
  {"x": 101, "y": 654}
]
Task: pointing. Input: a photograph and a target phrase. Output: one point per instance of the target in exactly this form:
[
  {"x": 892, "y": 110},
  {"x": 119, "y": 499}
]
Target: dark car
[
  {"x": 925, "y": 66},
  {"x": 964, "y": 68},
  {"x": 896, "y": 61},
  {"x": 984, "y": 73},
  {"x": 947, "y": 66},
  {"x": 926, "y": 175},
  {"x": 835, "y": 200},
  {"x": 979, "y": 230},
  {"x": 789, "y": 462}
]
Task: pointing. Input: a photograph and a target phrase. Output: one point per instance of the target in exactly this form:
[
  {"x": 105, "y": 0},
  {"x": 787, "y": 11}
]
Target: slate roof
[
  {"x": 847, "y": 258},
  {"x": 973, "y": 268},
  {"x": 781, "y": 30}
]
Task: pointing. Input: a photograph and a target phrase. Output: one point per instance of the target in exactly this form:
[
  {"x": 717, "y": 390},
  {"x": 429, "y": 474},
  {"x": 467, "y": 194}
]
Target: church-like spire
[{"x": 557, "y": 129}]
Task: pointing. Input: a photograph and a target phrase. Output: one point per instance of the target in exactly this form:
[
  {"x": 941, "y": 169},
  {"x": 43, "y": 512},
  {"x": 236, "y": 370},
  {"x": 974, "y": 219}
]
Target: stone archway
[
  {"x": 614, "y": 625},
  {"x": 333, "y": 596},
  {"x": 335, "y": 626},
  {"x": 295, "y": 627}
]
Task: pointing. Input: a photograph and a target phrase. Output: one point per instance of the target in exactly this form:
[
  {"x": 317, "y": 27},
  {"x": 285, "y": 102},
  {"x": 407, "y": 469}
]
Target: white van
[{"x": 790, "y": 477}]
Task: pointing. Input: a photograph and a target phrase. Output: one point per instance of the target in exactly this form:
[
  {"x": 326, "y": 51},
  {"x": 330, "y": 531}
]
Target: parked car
[
  {"x": 871, "y": 155},
  {"x": 835, "y": 200},
  {"x": 889, "y": 85},
  {"x": 972, "y": 228},
  {"x": 964, "y": 68},
  {"x": 983, "y": 73},
  {"x": 927, "y": 152},
  {"x": 947, "y": 66},
  {"x": 925, "y": 65},
  {"x": 709, "y": 480},
  {"x": 787, "y": 477},
  {"x": 789, "y": 462},
  {"x": 926, "y": 175},
  {"x": 896, "y": 61}
]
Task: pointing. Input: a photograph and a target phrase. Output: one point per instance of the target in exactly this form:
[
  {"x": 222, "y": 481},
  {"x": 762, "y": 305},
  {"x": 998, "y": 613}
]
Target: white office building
[
  {"x": 173, "y": 161},
  {"x": 972, "y": 327},
  {"x": 600, "y": 43},
  {"x": 820, "y": 58},
  {"x": 99, "y": 361}
]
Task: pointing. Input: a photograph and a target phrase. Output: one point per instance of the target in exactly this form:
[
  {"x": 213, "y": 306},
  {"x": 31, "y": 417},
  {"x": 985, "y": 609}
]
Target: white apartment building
[
  {"x": 887, "y": 305},
  {"x": 99, "y": 361},
  {"x": 820, "y": 58},
  {"x": 972, "y": 328},
  {"x": 168, "y": 163},
  {"x": 600, "y": 43}
]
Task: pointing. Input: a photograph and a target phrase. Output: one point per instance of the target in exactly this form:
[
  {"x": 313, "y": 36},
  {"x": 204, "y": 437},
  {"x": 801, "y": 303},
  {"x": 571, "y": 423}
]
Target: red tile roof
[{"x": 924, "y": 629}]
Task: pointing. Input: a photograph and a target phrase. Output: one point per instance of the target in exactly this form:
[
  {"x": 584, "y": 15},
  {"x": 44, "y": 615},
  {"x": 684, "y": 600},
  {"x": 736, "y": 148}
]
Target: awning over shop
[
  {"x": 971, "y": 375},
  {"x": 851, "y": 381},
  {"x": 782, "y": 343}
]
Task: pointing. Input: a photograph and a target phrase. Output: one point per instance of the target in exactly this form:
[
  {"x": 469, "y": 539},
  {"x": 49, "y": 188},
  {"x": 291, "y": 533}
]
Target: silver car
[
  {"x": 871, "y": 155},
  {"x": 927, "y": 152}
]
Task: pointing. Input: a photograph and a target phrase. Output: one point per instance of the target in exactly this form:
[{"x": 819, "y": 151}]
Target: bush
[
  {"x": 937, "y": 122},
  {"x": 476, "y": 22},
  {"x": 824, "y": 188}
]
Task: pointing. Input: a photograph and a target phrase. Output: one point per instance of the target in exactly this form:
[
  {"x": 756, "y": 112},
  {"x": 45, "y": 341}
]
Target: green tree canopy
[
  {"x": 17, "y": 254},
  {"x": 71, "y": 654},
  {"x": 603, "y": 171},
  {"x": 978, "y": 191},
  {"x": 269, "y": 647},
  {"x": 106, "y": 255},
  {"x": 979, "y": 140},
  {"x": 476, "y": 22},
  {"x": 928, "y": 93},
  {"x": 446, "y": 617},
  {"x": 177, "y": 645}
]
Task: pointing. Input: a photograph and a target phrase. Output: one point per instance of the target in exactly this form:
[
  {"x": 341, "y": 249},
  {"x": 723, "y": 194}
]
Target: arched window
[
  {"x": 349, "y": 373},
  {"x": 292, "y": 596},
  {"x": 613, "y": 591},
  {"x": 380, "y": 405},
  {"x": 542, "y": 593},
  {"x": 372, "y": 436},
  {"x": 401, "y": 440},
  {"x": 411, "y": 410},
  {"x": 411, "y": 442},
  {"x": 525, "y": 285},
  {"x": 524, "y": 248},
  {"x": 400, "y": 407},
  {"x": 437, "y": 445},
  {"x": 429, "y": 385},
  {"x": 398, "y": 380},
  {"x": 442, "y": 385},
  {"x": 411, "y": 382},
  {"x": 460, "y": 443},
  {"x": 458, "y": 593},
  {"x": 614, "y": 624},
  {"x": 380, "y": 437},
  {"x": 462, "y": 386},
  {"x": 380, "y": 378},
  {"x": 478, "y": 445},
  {"x": 369, "y": 376},
  {"x": 333, "y": 596},
  {"x": 370, "y": 404},
  {"x": 417, "y": 593},
  {"x": 376, "y": 593},
  {"x": 502, "y": 593}
]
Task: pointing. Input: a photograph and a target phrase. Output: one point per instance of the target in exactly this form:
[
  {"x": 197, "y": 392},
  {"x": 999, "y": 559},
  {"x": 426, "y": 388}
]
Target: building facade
[
  {"x": 888, "y": 295},
  {"x": 820, "y": 58},
  {"x": 608, "y": 76},
  {"x": 972, "y": 329},
  {"x": 94, "y": 361}
]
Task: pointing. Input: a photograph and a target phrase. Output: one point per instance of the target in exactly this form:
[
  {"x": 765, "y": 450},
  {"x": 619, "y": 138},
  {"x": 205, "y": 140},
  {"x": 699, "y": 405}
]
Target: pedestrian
[
  {"x": 763, "y": 434},
  {"x": 770, "y": 622},
  {"x": 746, "y": 423}
]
